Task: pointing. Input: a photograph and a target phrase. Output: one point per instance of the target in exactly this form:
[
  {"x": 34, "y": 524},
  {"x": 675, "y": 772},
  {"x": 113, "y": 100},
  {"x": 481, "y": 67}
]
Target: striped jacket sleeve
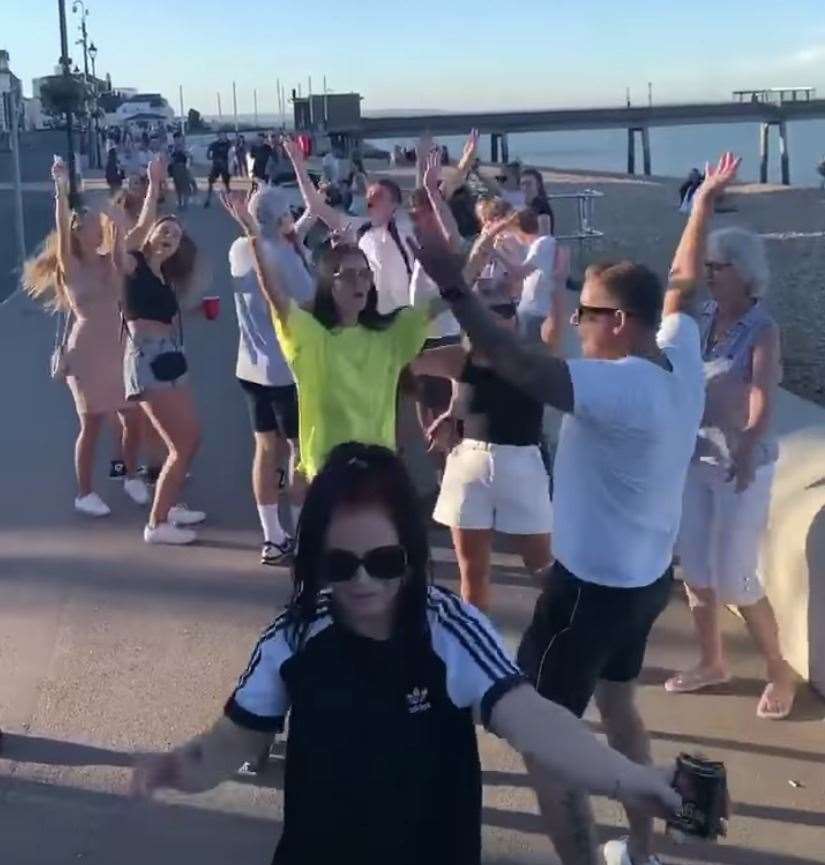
[
  {"x": 260, "y": 701},
  {"x": 479, "y": 669}
]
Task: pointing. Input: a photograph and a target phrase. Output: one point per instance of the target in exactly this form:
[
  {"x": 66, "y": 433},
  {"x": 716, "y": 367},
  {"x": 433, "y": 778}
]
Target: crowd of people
[{"x": 452, "y": 298}]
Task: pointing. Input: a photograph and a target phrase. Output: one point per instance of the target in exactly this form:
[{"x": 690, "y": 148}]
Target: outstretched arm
[
  {"x": 137, "y": 236},
  {"x": 314, "y": 200},
  {"x": 688, "y": 264},
  {"x": 537, "y": 373},
  {"x": 459, "y": 176},
  {"x": 561, "y": 744},
  {"x": 200, "y": 764}
]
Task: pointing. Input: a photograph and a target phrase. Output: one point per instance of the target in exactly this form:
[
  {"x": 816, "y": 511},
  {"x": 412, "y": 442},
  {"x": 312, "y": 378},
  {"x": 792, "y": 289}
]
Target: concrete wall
[{"x": 793, "y": 552}]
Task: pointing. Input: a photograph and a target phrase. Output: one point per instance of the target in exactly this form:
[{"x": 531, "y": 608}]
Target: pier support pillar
[
  {"x": 783, "y": 154},
  {"x": 505, "y": 149},
  {"x": 646, "y": 150},
  {"x": 494, "y": 147},
  {"x": 764, "y": 144},
  {"x": 631, "y": 151}
]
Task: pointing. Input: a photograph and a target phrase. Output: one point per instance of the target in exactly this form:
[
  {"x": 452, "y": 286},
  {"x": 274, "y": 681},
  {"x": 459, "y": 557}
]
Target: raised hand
[
  {"x": 157, "y": 171},
  {"x": 236, "y": 204},
  {"x": 292, "y": 150},
  {"x": 718, "y": 178},
  {"x": 432, "y": 171},
  {"x": 60, "y": 172},
  {"x": 470, "y": 148},
  {"x": 423, "y": 147},
  {"x": 492, "y": 230}
]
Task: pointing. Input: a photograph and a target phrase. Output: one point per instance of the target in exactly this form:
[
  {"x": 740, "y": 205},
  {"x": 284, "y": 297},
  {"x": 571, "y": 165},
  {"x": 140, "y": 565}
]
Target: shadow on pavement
[{"x": 53, "y": 752}]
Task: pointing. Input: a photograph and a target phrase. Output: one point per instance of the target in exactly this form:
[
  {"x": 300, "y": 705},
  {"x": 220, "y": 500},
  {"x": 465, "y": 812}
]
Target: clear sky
[{"x": 444, "y": 54}]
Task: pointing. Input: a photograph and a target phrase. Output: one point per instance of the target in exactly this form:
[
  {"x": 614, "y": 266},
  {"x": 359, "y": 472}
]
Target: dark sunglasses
[
  {"x": 583, "y": 309},
  {"x": 504, "y": 310},
  {"x": 382, "y": 563}
]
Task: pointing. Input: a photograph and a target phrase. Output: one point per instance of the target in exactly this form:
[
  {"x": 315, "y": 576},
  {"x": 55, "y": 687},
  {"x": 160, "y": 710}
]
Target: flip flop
[
  {"x": 768, "y": 696},
  {"x": 693, "y": 680}
]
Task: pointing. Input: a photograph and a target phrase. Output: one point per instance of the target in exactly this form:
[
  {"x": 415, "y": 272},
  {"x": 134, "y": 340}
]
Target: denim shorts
[{"x": 138, "y": 377}]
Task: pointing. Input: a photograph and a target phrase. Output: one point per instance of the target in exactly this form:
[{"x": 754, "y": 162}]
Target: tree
[{"x": 194, "y": 121}]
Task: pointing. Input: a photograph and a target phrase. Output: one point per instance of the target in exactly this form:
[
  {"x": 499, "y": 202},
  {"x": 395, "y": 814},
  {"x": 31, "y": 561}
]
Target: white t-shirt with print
[
  {"x": 622, "y": 460},
  {"x": 538, "y": 286}
]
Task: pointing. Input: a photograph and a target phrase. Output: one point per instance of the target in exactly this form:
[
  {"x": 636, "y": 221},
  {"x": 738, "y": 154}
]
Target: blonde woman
[
  {"x": 72, "y": 275},
  {"x": 157, "y": 261}
]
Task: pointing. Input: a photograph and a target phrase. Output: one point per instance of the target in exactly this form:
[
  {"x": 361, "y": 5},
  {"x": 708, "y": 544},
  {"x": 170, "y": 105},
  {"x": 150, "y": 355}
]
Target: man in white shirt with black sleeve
[{"x": 632, "y": 406}]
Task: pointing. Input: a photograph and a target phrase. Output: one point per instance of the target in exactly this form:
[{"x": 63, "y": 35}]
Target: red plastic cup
[{"x": 211, "y": 307}]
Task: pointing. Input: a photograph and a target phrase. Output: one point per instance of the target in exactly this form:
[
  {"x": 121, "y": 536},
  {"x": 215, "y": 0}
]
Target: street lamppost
[
  {"x": 84, "y": 41},
  {"x": 92, "y": 57},
  {"x": 66, "y": 64}
]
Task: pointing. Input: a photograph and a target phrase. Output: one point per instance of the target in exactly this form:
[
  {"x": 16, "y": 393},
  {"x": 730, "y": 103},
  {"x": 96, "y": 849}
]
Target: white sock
[
  {"x": 271, "y": 524},
  {"x": 295, "y": 510}
]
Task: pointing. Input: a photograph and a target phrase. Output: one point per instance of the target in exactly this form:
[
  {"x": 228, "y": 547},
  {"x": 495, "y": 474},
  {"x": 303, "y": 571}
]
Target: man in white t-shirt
[
  {"x": 382, "y": 237},
  {"x": 632, "y": 406}
]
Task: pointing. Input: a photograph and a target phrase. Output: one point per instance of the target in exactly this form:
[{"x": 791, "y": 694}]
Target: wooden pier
[{"x": 636, "y": 120}]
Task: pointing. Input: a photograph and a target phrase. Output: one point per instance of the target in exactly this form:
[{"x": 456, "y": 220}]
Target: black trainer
[{"x": 117, "y": 470}]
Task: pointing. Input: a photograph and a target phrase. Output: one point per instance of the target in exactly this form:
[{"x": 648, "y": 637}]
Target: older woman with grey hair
[{"x": 728, "y": 490}]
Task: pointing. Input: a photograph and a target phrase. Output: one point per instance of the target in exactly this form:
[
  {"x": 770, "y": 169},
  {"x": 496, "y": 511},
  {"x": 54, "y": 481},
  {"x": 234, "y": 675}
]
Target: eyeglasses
[
  {"x": 716, "y": 266},
  {"x": 504, "y": 310},
  {"x": 382, "y": 563},
  {"x": 353, "y": 274}
]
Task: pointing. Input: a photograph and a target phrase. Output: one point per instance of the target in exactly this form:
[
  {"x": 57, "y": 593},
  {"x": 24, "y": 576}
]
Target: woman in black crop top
[
  {"x": 156, "y": 259},
  {"x": 495, "y": 479}
]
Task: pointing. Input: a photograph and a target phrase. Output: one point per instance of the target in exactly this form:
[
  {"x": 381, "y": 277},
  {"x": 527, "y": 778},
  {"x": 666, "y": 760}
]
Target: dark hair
[
  {"x": 392, "y": 187},
  {"x": 324, "y": 308},
  {"x": 528, "y": 221},
  {"x": 541, "y": 203},
  {"x": 462, "y": 205},
  {"x": 179, "y": 268},
  {"x": 358, "y": 475},
  {"x": 636, "y": 288}
]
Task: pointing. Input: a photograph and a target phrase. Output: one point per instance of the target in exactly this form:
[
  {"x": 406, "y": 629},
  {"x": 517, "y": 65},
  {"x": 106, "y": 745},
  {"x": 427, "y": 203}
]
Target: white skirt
[
  {"x": 721, "y": 533},
  {"x": 501, "y": 487}
]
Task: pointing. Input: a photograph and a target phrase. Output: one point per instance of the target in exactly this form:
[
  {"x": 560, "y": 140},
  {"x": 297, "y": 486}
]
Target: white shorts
[
  {"x": 721, "y": 533},
  {"x": 501, "y": 487}
]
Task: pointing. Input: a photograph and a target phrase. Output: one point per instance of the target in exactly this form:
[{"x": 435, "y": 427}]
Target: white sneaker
[
  {"x": 166, "y": 533},
  {"x": 92, "y": 505},
  {"x": 180, "y": 515},
  {"x": 615, "y": 853},
  {"x": 137, "y": 491}
]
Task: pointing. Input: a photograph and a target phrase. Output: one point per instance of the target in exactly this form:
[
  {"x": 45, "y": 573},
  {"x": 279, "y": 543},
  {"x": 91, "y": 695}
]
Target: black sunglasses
[
  {"x": 382, "y": 563},
  {"x": 504, "y": 310},
  {"x": 583, "y": 309}
]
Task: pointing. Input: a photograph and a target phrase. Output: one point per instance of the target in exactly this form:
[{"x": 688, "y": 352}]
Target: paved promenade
[{"x": 108, "y": 647}]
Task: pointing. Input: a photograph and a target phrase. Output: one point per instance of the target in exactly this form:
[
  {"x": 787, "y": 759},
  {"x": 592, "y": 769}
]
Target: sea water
[{"x": 674, "y": 149}]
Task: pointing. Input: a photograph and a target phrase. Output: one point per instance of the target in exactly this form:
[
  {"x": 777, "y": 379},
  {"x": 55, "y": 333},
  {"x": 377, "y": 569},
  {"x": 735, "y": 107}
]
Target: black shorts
[
  {"x": 219, "y": 169},
  {"x": 582, "y": 632},
  {"x": 272, "y": 409}
]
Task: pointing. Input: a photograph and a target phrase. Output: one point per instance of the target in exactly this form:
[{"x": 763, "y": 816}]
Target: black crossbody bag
[{"x": 169, "y": 365}]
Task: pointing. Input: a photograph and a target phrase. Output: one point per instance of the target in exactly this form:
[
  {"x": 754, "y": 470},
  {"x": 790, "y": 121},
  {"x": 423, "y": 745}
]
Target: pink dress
[{"x": 94, "y": 350}]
